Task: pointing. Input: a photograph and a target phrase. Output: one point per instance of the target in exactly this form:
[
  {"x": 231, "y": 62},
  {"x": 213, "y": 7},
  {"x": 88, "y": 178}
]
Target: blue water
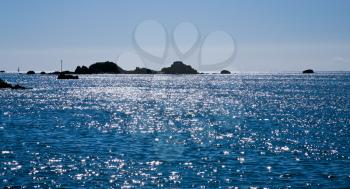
[{"x": 130, "y": 131}]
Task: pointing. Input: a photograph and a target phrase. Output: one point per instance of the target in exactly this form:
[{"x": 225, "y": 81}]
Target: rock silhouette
[
  {"x": 179, "y": 67},
  {"x": 308, "y": 71},
  {"x": 105, "y": 67},
  {"x": 42, "y": 73},
  {"x": 225, "y": 72},
  {"x": 142, "y": 71},
  {"x": 82, "y": 70},
  {"x": 5, "y": 85},
  {"x": 30, "y": 72},
  {"x": 100, "y": 68},
  {"x": 2, "y": 71}
]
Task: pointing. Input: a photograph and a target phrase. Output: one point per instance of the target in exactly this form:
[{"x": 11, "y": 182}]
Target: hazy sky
[{"x": 269, "y": 35}]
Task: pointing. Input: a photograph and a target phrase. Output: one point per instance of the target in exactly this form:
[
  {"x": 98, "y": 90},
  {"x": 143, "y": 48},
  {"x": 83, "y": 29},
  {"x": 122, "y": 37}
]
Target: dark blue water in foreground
[{"x": 244, "y": 130}]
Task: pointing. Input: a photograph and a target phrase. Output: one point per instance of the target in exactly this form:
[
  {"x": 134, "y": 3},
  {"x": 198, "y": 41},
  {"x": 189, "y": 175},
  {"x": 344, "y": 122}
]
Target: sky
[{"x": 239, "y": 35}]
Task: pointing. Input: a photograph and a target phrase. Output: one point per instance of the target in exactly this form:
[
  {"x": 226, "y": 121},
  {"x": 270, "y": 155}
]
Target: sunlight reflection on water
[{"x": 176, "y": 131}]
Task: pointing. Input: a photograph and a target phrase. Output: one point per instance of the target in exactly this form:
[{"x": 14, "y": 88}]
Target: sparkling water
[{"x": 181, "y": 131}]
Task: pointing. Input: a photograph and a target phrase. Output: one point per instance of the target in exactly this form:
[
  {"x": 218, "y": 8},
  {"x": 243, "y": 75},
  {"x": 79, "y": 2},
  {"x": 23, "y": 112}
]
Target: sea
[{"x": 244, "y": 130}]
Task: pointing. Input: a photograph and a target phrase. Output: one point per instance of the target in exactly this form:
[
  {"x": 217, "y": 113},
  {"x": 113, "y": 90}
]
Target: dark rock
[
  {"x": 2, "y": 71},
  {"x": 66, "y": 76},
  {"x": 100, "y": 68},
  {"x": 18, "y": 87},
  {"x": 82, "y": 70},
  {"x": 142, "y": 71},
  {"x": 5, "y": 85},
  {"x": 78, "y": 70},
  {"x": 308, "y": 71},
  {"x": 30, "y": 72},
  {"x": 225, "y": 72},
  {"x": 42, "y": 73},
  {"x": 105, "y": 67},
  {"x": 179, "y": 67}
]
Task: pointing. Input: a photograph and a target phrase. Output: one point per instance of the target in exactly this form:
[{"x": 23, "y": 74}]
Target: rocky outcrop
[
  {"x": 30, "y": 72},
  {"x": 179, "y": 67},
  {"x": 308, "y": 71},
  {"x": 225, "y": 72},
  {"x": 100, "y": 68},
  {"x": 5, "y": 85},
  {"x": 82, "y": 70}
]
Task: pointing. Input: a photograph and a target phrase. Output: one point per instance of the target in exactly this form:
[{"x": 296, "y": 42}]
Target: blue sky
[{"x": 270, "y": 35}]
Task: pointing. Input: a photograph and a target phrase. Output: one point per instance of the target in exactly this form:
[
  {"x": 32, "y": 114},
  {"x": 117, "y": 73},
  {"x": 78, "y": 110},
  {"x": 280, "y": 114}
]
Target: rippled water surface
[{"x": 243, "y": 130}]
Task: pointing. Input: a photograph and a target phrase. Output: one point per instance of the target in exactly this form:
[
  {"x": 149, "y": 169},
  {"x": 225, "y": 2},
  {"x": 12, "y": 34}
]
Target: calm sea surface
[{"x": 243, "y": 130}]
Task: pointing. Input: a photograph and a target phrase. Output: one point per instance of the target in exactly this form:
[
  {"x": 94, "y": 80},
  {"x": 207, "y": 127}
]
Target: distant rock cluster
[
  {"x": 108, "y": 67},
  {"x": 177, "y": 67}
]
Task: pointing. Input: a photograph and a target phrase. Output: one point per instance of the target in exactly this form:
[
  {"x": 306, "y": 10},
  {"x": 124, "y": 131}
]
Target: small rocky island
[
  {"x": 308, "y": 71},
  {"x": 100, "y": 68},
  {"x": 179, "y": 67},
  {"x": 225, "y": 72},
  {"x": 5, "y": 85}
]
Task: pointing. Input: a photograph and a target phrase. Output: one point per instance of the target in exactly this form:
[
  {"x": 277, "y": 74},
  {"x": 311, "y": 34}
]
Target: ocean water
[{"x": 208, "y": 131}]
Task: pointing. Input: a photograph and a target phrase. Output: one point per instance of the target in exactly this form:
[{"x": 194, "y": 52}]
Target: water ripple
[{"x": 129, "y": 131}]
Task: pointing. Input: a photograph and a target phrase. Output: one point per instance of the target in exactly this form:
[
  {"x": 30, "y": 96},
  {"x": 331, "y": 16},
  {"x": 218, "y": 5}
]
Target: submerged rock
[
  {"x": 66, "y": 76},
  {"x": 18, "y": 87},
  {"x": 308, "y": 71},
  {"x": 5, "y": 85},
  {"x": 179, "y": 67},
  {"x": 225, "y": 72}
]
